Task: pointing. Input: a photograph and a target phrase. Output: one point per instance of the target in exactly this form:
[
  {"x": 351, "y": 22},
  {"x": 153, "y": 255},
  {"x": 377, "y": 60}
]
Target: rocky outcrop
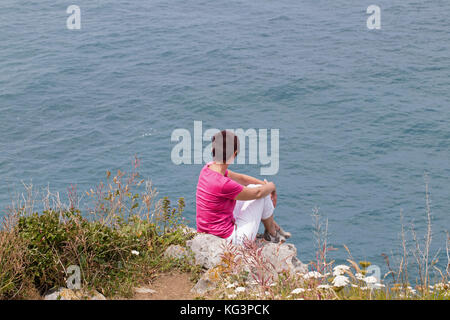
[
  {"x": 176, "y": 252},
  {"x": 283, "y": 257},
  {"x": 208, "y": 251},
  {"x": 69, "y": 294}
]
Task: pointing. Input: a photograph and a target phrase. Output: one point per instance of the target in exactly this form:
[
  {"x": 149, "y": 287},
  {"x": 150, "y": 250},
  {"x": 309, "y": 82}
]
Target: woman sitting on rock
[{"x": 231, "y": 205}]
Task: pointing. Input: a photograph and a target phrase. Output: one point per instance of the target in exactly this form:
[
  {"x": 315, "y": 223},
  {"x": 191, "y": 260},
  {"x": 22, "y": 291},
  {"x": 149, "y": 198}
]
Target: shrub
[{"x": 117, "y": 244}]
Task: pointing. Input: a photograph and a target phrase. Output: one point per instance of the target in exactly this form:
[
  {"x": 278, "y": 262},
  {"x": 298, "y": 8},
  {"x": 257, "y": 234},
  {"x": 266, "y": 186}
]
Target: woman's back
[{"x": 215, "y": 201}]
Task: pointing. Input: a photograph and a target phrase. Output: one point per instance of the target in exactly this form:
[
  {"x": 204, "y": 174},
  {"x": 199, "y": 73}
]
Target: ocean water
[{"x": 363, "y": 114}]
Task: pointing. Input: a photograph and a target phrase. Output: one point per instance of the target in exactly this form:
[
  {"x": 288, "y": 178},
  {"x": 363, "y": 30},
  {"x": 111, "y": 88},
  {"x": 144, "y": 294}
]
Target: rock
[
  {"x": 207, "y": 282},
  {"x": 175, "y": 252},
  {"x": 283, "y": 257},
  {"x": 188, "y": 230},
  {"x": 203, "y": 286},
  {"x": 143, "y": 290},
  {"x": 207, "y": 249},
  {"x": 69, "y": 294}
]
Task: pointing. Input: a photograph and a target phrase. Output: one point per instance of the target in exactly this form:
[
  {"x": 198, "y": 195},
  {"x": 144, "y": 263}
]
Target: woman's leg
[
  {"x": 248, "y": 216},
  {"x": 270, "y": 225}
]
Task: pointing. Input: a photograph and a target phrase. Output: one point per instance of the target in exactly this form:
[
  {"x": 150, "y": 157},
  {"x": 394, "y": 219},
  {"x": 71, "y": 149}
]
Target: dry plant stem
[
  {"x": 418, "y": 255},
  {"x": 429, "y": 233},
  {"x": 448, "y": 255},
  {"x": 404, "y": 267},
  {"x": 321, "y": 236}
]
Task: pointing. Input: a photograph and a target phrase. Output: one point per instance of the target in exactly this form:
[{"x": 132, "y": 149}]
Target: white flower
[
  {"x": 359, "y": 276},
  {"x": 300, "y": 299},
  {"x": 340, "y": 270},
  {"x": 231, "y": 285},
  {"x": 232, "y": 296},
  {"x": 239, "y": 289},
  {"x": 297, "y": 291},
  {"x": 370, "y": 280},
  {"x": 312, "y": 274},
  {"x": 340, "y": 281},
  {"x": 136, "y": 253},
  {"x": 441, "y": 286},
  {"x": 324, "y": 286}
]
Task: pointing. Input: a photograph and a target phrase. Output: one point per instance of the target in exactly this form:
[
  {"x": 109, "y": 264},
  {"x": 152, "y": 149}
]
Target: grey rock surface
[
  {"x": 207, "y": 249},
  {"x": 69, "y": 294}
]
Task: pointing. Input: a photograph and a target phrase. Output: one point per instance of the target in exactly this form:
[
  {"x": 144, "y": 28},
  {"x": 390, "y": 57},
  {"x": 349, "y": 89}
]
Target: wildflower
[
  {"x": 324, "y": 286},
  {"x": 239, "y": 289},
  {"x": 232, "y": 296},
  {"x": 370, "y": 280},
  {"x": 441, "y": 286},
  {"x": 359, "y": 276},
  {"x": 340, "y": 281},
  {"x": 340, "y": 270},
  {"x": 312, "y": 274},
  {"x": 364, "y": 288},
  {"x": 136, "y": 253},
  {"x": 231, "y": 285},
  {"x": 297, "y": 291}
]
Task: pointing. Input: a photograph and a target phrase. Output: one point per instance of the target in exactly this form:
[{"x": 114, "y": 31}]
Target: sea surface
[{"x": 363, "y": 115}]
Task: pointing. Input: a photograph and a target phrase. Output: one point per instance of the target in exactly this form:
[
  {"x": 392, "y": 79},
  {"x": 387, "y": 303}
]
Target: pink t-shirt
[{"x": 215, "y": 202}]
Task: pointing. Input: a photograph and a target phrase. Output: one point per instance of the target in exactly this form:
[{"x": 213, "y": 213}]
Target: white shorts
[{"x": 248, "y": 215}]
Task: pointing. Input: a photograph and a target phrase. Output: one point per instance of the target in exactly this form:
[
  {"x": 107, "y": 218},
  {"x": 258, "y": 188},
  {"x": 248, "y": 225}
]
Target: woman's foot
[
  {"x": 274, "y": 238},
  {"x": 285, "y": 234}
]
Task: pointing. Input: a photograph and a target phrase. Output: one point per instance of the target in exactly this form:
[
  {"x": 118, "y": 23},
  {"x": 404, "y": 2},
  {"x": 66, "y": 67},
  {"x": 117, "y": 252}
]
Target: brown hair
[{"x": 224, "y": 145}]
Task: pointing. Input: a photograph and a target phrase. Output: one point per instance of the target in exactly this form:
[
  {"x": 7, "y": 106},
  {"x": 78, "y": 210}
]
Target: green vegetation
[
  {"x": 117, "y": 245},
  {"x": 326, "y": 280},
  {"x": 118, "y": 242}
]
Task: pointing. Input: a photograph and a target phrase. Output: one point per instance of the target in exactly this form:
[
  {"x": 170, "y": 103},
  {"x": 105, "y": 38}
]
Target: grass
[
  {"x": 119, "y": 239},
  {"x": 351, "y": 281},
  {"x": 118, "y": 242}
]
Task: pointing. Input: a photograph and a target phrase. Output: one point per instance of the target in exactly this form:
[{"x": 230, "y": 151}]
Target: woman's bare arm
[
  {"x": 257, "y": 192},
  {"x": 243, "y": 179}
]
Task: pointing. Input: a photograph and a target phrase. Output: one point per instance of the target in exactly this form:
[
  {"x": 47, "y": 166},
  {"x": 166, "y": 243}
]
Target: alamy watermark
[
  {"x": 74, "y": 280},
  {"x": 374, "y": 20},
  {"x": 73, "y": 22},
  {"x": 190, "y": 150}
]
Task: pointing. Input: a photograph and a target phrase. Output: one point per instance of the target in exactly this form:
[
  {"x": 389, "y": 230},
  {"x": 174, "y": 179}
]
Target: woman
[{"x": 231, "y": 205}]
